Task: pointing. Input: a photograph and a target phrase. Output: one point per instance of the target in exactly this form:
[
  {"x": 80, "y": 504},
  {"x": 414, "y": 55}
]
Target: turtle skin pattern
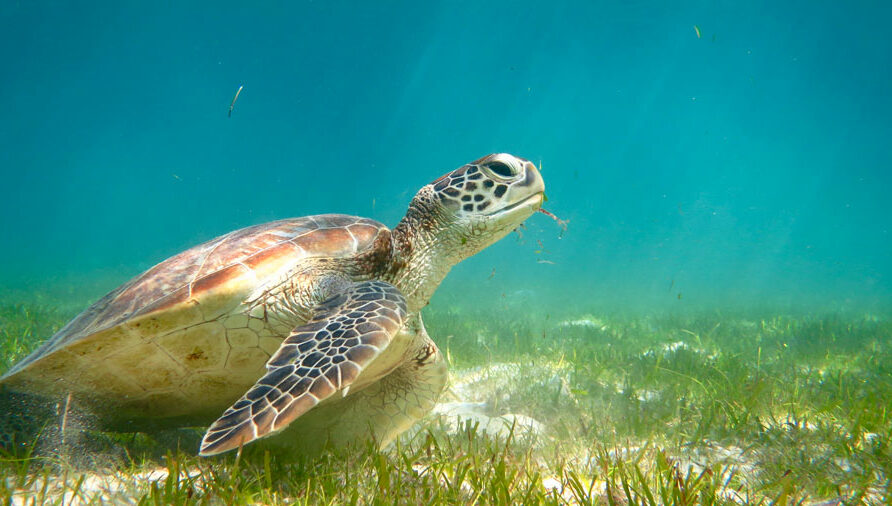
[{"x": 319, "y": 358}]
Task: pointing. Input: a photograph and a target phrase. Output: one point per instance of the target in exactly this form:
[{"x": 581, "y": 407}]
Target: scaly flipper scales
[{"x": 318, "y": 359}]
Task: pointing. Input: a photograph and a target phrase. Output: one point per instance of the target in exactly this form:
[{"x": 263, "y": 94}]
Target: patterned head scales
[
  {"x": 489, "y": 184},
  {"x": 487, "y": 198}
]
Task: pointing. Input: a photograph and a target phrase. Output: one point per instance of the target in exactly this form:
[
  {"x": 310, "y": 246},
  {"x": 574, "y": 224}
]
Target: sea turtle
[{"x": 316, "y": 317}]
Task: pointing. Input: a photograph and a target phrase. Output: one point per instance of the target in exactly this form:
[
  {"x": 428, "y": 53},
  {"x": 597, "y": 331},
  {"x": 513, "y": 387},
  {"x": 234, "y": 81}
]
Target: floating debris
[
  {"x": 541, "y": 248},
  {"x": 520, "y": 228},
  {"x": 232, "y": 104},
  {"x": 697, "y": 31},
  {"x": 561, "y": 223}
]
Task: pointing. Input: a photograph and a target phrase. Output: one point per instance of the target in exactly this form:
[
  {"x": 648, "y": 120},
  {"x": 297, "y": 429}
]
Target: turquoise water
[{"x": 712, "y": 155}]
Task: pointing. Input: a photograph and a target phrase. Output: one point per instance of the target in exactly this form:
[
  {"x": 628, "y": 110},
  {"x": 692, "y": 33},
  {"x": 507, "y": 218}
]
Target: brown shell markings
[{"x": 213, "y": 273}]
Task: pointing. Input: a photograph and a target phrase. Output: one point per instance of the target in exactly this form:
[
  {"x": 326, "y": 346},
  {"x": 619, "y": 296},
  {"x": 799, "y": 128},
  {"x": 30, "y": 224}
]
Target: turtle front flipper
[{"x": 325, "y": 355}]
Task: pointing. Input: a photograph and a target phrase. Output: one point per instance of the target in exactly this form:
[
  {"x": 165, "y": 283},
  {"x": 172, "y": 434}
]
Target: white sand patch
[
  {"x": 585, "y": 322},
  {"x": 475, "y": 397},
  {"x": 115, "y": 487},
  {"x": 457, "y": 415}
]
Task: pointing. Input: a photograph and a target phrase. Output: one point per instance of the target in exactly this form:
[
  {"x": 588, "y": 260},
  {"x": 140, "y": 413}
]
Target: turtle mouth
[{"x": 533, "y": 202}]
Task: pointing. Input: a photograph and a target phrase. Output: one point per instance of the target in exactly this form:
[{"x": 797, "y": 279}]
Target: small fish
[
  {"x": 671, "y": 285},
  {"x": 697, "y": 30},
  {"x": 178, "y": 178},
  {"x": 373, "y": 204},
  {"x": 232, "y": 104},
  {"x": 543, "y": 261},
  {"x": 492, "y": 274},
  {"x": 679, "y": 295}
]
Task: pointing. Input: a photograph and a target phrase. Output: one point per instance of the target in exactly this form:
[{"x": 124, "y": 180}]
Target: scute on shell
[{"x": 138, "y": 329}]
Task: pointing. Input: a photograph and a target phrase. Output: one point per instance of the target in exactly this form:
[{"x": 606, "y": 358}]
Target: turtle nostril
[{"x": 501, "y": 169}]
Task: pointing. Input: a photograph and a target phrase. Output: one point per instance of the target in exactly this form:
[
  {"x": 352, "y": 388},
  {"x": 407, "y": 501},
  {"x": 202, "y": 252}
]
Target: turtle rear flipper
[{"x": 318, "y": 359}]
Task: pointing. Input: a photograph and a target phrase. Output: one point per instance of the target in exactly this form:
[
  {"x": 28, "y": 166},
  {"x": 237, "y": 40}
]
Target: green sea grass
[{"x": 700, "y": 408}]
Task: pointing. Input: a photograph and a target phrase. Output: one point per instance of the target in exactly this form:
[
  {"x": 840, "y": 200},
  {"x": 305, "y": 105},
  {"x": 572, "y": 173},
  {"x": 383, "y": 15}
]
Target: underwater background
[
  {"x": 711, "y": 327},
  {"x": 716, "y": 155}
]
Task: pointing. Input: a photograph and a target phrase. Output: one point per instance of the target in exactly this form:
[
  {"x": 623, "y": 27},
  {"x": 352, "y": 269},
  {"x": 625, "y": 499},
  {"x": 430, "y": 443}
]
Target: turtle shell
[{"x": 180, "y": 339}]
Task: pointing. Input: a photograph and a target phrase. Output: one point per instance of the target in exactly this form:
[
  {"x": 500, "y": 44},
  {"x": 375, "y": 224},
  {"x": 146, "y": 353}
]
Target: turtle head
[
  {"x": 479, "y": 203},
  {"x": 458, "y": 215}
]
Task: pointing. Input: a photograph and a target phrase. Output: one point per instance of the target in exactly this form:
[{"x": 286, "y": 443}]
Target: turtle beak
[
  {"x": 532, "y": 179},
  {"x": 526, "y": 194},
  {"x": 530, "y": 188}
]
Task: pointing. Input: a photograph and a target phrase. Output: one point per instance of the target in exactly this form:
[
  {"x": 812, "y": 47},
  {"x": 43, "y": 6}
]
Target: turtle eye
[{"x": 501, "y": 169}]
